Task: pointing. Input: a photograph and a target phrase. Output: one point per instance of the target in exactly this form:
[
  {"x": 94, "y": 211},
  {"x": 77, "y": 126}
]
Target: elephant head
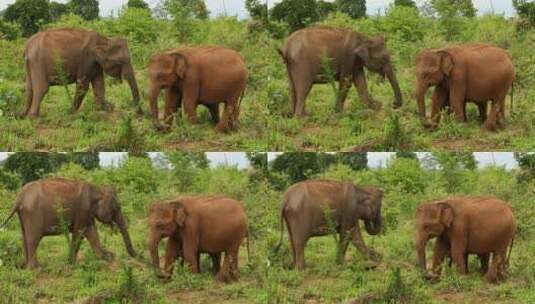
[
  {"x": 166, "y": 70},
  {"x": 376, "y": 58},
  {"x": 108, "y": 211},
  {"x": 165, "y": 220},
  {"x": 432, "y": 68},
  {"x": 114, "y": 58},
  {"x": 432, "y": 220},
  {"x": 369, "y": 201}
]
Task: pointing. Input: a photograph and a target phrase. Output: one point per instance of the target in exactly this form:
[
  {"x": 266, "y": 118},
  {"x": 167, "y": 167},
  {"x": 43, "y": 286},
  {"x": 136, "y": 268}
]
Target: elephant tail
[
  {"x": 510, "y": 249},
  {"x": 12, "y": 212},
  {"x": 281, "y": 227}
]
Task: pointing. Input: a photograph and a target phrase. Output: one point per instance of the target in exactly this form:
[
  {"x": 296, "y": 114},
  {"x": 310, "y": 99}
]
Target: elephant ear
[
  {"x": 446, "y": 214},
  {"x": 181, "y": 65},
  {"x": 180, "y": 214},
  {"x": 446, "y": 62},
  {"x": 363, "y": 52}
]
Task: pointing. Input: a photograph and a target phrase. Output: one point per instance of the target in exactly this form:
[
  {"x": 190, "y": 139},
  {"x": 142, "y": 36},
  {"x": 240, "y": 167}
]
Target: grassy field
[
  {"x": 265, "y": 276},
  {"x": 264, "y": 125}
]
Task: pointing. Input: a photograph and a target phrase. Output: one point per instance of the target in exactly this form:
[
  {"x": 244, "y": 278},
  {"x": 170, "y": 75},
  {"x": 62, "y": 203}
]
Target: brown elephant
[
  {"x": 195, "y": 225},
  {"x": 307, "y": 205},
  {"x": 207, "y": 75},
  {"x": 466, "y": 225},
  {"x": 307, "y": 52},
  {"x": 65, "y": 56},
  {"x": 48, "y": 206},
  {"x": 472, "y": 72}
]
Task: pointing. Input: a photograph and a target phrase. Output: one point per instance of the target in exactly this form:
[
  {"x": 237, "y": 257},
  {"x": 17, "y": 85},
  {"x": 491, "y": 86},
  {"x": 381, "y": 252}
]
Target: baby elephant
[
  {"x": 45, "y": 206},
  {"x": 310, "y": 207},
  {"x": 473, "y": 72},
  {"x": 466, "y": 225},
  {"x": 205, "y": 75},
  {"x": 195, "y": 225}
]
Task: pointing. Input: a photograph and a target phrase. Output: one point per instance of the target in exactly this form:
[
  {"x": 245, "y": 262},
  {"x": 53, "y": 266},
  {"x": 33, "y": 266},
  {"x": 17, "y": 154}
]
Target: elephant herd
[
  {"x": 210, "y": 75},
  {"x": 484, "y": 226}
]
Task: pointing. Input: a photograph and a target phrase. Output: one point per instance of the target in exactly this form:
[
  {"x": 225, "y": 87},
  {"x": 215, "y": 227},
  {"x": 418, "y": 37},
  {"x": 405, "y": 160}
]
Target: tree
[
  {"x": 33, "y": 165},
  {"x": 137, "y": 4},
  {"x": 355, "y": 160},
  {"x": 463, "y": 7},
  {"x": 297, "y": 14},
  {"x": 256, "y": 9},
  {"x": 452, "y": 166},
  {"x": 87, "y": 9},
  {"x": 299, "y": 166},
  {"x": 405, "y": 154},
  {"x": 29, "y": 14},
  {"x": 354, "y": 8},
  {"x": 324, "y": 8},
  {"x": 409, "y": 3},
  {"x": 189, "y": 9},
  {"x": 526, "y": 12},
  {"x": 88, "y": 160},
  {"x": 526, "y": 162},
  {"x": 57, "y": 10}
]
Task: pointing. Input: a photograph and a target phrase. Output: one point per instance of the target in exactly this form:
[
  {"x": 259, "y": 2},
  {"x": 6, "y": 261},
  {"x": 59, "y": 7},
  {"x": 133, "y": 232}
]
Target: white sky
[{"x": 237, "y": 7}]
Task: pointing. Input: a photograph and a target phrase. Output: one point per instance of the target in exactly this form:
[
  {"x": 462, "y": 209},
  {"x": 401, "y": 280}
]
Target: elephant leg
[
  {"x": 458, "y": 101},
  {"x": 343, "y": 242},
  {"x": 358, "y": 241},
  {"x": 99, "y": 91},
  {"x": 91, "y": 234},
  {"x": 216, "y": 262},
  {"x": 359, "y": 79},
  {"x": 190, "y": 101},
  {"x": 440, "y": 251},
  {"x": 29, "y": 94},
  {"x": 293, "y": 96},
  {"x": 171, "y": 253},
  {"x": 492, "y": 273},
  {"x": 214, "y": 111},
  {"x": 76, "y": 241},
  {"x": 458, "y": 255},
  {"x": 484, "y": 261},
  {"x": 298, "y": 241},
  {"x": 502, "y": 267},
  {"x": 40, "y": 88},
  {"x": 439, "y": 102},
  {"x": 224, "y": 273},
  {"x": 81, "y": 90},
  {"x": 483, "y": 108},
  {"x": 32, "y": 242},
  {"x": 172, "y": 100},
  {"x": 226, "y": 120},
  {"x": 343, "y": 88},
  {"x": 303, "y": 85},
  {"x": 190, "y": 257},
  {"x": 235, "y": 270},
  {"x": 492, "y": 119}
]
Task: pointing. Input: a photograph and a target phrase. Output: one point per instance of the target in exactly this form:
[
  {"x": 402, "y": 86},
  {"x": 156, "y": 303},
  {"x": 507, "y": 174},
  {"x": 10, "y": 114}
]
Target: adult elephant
[
  {"x": 316, "y": 207},
  {"x": 49, "y": 206},
  {"x": 471, "y": 72},
  {"x": 65, "y": 56},
  {"x": 322, "y": 54},
  {"x": 207, "y": 75},
  {"x": 195, "y": 225},
  {"x": 466, "y": 225}
]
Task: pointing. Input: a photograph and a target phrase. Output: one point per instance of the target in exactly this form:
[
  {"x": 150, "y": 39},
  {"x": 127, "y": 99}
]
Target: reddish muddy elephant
[
  {"x": 466, "y": 225},
  {"x": 309, "y": 51},
  {"x": 207, "y": 75},
  {"x": 306, "y": 205},
  {"x": 195, "y": 225},
  {"x": 465, "y": 73},
  {"x": 65, "y": 56},
  {"x": 44, "y": 204}
]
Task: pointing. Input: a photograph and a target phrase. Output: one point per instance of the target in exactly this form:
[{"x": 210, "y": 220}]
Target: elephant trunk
[
  {"x": 421, "y": 242},
  {"x": 374, "y": 226},
  {"x": 154, "y": 93},
  {"x": 124, "y": 232},
  {"x": 420, "y": 97},
  {"x": 154, "y": 241},
  {"x": 389, "y": 73},
  {"x": 129, "y": 75}
]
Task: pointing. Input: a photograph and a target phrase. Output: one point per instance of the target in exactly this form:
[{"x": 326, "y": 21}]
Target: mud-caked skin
[
  {"x": 465, "y": 73},
  {"x": 65, "y": 56},
  {"x": 49, "y": 206},
  {"x": 195, "y": 225},
  {"x": 207, "y": 75},
  {"x": 322, "y": 54},
  {"x": 484, "y": 226},
  {"x": 310, "y": 207}
]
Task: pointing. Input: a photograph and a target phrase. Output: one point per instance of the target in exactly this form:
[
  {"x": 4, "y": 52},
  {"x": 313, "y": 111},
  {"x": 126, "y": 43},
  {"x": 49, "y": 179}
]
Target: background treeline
[{"x": 265, "y": 277}]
